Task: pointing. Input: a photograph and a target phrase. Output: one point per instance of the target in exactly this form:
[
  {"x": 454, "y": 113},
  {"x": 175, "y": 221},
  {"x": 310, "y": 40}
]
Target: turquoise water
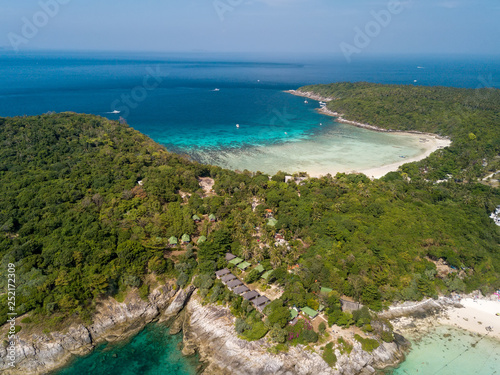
[
  {"x": 152, "y": 352},
  {"x": 450, "y": 351},
  {"x": 171, "y": 97}
]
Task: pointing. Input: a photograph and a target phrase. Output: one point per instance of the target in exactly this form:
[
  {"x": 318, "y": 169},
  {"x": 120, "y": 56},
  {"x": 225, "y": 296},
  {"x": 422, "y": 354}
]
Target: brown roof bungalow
[
  {"x": 221, "y": 273},
  {"x": 261, "y": 300},
  {"x": 233, "y": 284},
  {"x": 227, "y": 278},
  {"x": 230, "y": 256},
  {"x": 251, "y": 295},
  {"x": 240, "y": 290}
]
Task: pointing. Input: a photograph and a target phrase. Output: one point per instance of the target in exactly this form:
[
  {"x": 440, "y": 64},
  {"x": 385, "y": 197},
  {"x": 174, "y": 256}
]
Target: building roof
[
  {"x": 196, "y": 217},
  {"x": 228, "y": 278},
  {"x": 212, "y": 217},
  {"x": 244, "y": 265},
  {"x": 267, "y": 275},
  {"x": 272, "y": 222},
  {"x": 260, "y": 268},
  {"x": 310, "y": 312},
  {"x": 230, "y": 256},
  {"x": 241, "y": 289},
  {"x": 293, "y": 314},
  {"x": 326, "y": 290},
  {"x": 261, "y": 300},
  {"x": 251, "y": 295},
  {"x": 235, "y": 261},
  {"x": 222, "y": 272},
  {"x": 263, "y": 306},
  {"x": 234, "y": 283},
  {"x": 172, "y": 240},
  {"x": 185, "y": 238},
  {"x": 201, "y": 239}
]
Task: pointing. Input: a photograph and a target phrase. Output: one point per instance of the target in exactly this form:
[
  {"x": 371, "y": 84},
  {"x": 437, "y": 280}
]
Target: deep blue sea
[
  {"x": 192, "y": 103},
  {"x": 173, "y": 98}
]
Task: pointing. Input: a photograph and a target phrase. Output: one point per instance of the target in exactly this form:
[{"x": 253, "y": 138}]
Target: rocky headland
[{"x": 207, "y": 329}]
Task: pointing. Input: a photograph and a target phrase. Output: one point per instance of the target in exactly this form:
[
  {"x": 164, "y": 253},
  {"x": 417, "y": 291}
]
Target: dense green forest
[
  {"x": 470, "y": 117},
  {"x": 88, "y": 205}
]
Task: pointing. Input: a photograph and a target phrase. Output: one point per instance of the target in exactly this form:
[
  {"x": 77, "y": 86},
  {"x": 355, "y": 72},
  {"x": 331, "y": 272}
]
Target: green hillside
[{"x": 87, "y": 208}]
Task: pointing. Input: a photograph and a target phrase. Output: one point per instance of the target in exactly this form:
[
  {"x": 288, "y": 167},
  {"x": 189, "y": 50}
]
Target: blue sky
[{"x": 280, "y": 26}]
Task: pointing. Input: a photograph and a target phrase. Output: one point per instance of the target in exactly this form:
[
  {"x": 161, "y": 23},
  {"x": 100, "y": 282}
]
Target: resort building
[
  {"x": 251, "y": 295},
  {"x": 325, "y": 290},
  {"x": 229, "y": 277},
  {"x": 261, "y": 302},
  {"x": 172, "y": 241},
  {"x": 196, "y": 218},
  {"x": 259, "y": 268},
  {"x": 229, "y": 257},
  {"x": 266, "y": 275},
  {"x": 185, "y": 238},
  {"x": 222, "y": 273},
  {"x": 212, "y": 218},
  {"x": 201, "y": 240},
  {"x": 244, "y": 265},
  {"x": 235, "y": 261},
  {"x": 233, "y": 284},
  {"x": 310, "y": 313},
  {"x": 241, "y": 290}
]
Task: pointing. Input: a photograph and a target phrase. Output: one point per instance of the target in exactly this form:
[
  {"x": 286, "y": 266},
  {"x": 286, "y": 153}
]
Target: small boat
[
  {"x": 402, "y": 156},
  {"x": 238, "y": 126},
  {"x": 114, "y": 112},
  {"x": 305, "y": 101},
  {"x": 320, "y": 124},
  {"x": 216, "y": 89}
]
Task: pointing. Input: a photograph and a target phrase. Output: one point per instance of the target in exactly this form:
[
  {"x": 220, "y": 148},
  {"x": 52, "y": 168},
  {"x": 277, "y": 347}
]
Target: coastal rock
[
  {"x": 178, "y": 303},
  {"x": 210, "y": 329},
  {"x": 39, "y": 353}
]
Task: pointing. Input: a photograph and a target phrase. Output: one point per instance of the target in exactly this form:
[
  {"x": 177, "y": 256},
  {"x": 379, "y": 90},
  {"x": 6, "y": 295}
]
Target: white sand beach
[
  {"x": 340, "y": 148},
  {"x": 475, "y": 316}
]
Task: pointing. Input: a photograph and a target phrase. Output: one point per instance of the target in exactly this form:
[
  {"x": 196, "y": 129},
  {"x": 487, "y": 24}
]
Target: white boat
[
  {"x": 238, "y": 126},
  {"x": 305, "y": 101},
  {"x": 115, "y": 112},
  {"x": 216, "y": 89}
]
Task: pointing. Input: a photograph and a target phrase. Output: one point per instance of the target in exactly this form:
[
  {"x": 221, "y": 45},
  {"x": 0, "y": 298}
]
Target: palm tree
[{"x": 246, "y": 252}]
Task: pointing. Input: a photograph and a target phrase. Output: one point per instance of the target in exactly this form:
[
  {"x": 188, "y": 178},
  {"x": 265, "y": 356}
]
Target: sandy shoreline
[
  {"x": 430, "y": 142},
  {"x": 475, "y": 316},
  {"x": 472, "y": 314}
]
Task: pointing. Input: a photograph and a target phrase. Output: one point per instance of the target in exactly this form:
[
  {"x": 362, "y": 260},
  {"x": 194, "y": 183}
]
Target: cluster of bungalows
[
  {"x": 237, "y": 287},
  {"x": 238, "y": 262}
]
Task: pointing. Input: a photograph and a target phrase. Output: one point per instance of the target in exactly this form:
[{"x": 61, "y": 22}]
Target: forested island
[{"x": 91, "y": 208}]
